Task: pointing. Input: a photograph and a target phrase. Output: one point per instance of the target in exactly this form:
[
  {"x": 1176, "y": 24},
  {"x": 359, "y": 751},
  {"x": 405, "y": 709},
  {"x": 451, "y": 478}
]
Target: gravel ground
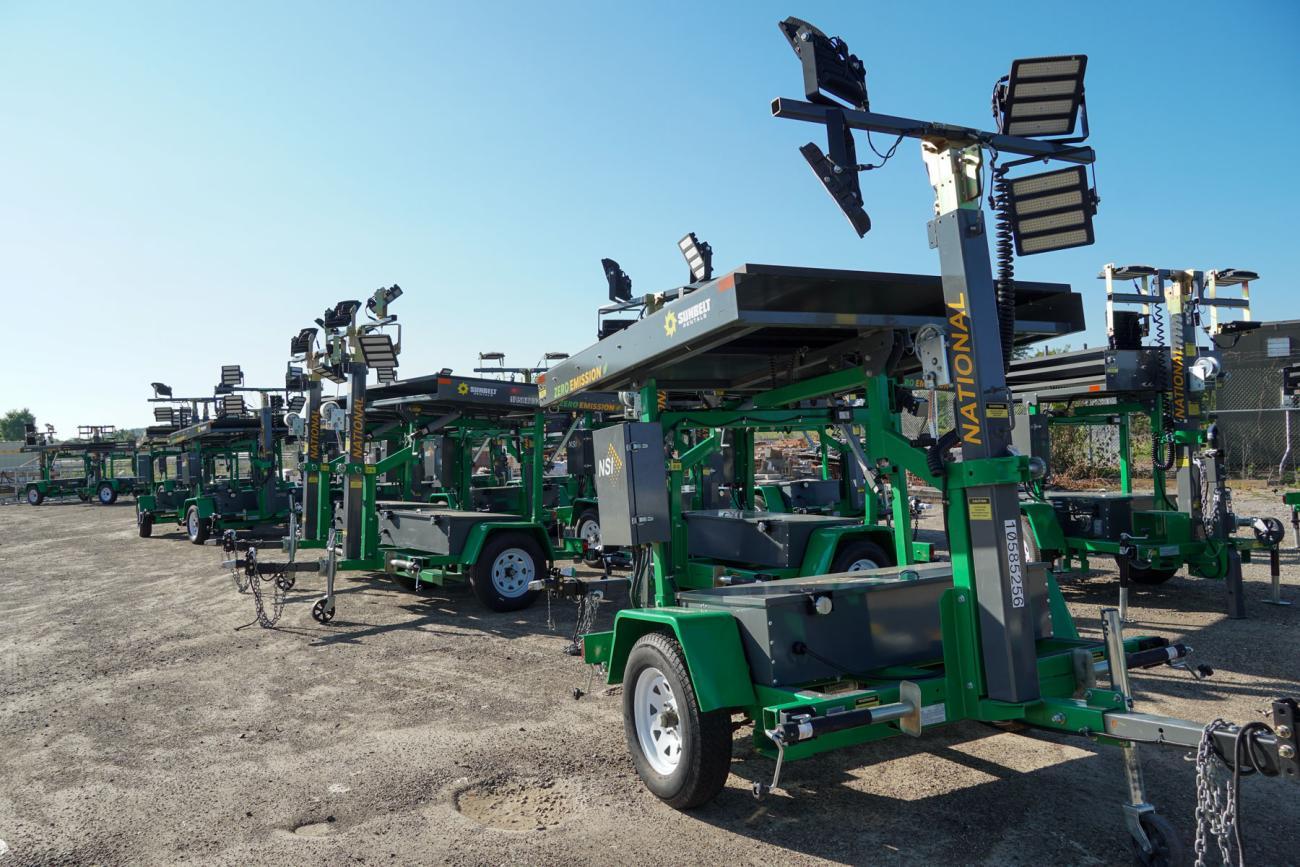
[{"x": 139, "y": 724}]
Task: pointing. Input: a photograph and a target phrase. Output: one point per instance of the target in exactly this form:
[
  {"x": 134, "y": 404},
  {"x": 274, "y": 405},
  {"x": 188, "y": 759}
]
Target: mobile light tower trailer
[
  {"x": 1152, "y": 366},
  {"x": 99, "y": 452},
  {"x": 839, "y": 660},
  {"x": 166, "y": 467}
]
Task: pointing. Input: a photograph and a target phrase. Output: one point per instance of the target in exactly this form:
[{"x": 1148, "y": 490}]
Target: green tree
[{"x": 13, "y": 422}]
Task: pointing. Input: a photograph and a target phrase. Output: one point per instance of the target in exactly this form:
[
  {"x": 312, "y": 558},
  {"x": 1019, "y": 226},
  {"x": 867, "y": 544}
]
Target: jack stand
[
  {"x": 1232, "y": 583},
  {"x": 761, "y": 788},
  {"x": 1124, "y": 567},
  {"x": 323, "y": 610},
  {"x": 1138, "y": 813},
  {"x": 1275, "y": 572}
]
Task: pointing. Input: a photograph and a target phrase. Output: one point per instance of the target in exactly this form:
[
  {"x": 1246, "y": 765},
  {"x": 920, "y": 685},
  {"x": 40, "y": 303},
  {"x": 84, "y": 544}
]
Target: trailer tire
[
  {"x": 860, "y": 554},
  {"x": 107, "y": 494},
  {"x": 656, "y": 669},
  {"x": 145, "y": 523},
  {"x": 507, "y": 563},
  {"x": 1148, "y": 577},
  {"x": 195, "y": 527},
  {"x": 35, "y": 497},
  {"x": 587, "y": 528}
]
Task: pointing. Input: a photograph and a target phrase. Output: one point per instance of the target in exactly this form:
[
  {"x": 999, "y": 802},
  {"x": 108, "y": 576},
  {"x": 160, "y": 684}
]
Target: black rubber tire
[
  {"x": 1168, "y": 849},
  {"x": 705, "y": 762},
  {"x": 145, "y": 525},
  {"x": 1148, "y": 577},
  {"x": 320, "y": 613},
  {"x": 1030, "y": 544},
  {"x": 196, "y": 529},
  {"x": 592, "y": 557},
  {"x": 106, "y": 494},
  {"x": 860, "y": 549},
  {"x": 480, "y": 574},
  {"x": 35, "y": 497}
]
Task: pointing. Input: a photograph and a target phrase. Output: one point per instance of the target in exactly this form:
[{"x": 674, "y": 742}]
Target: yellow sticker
[
  {"x": 1193, "y": 408},
  {"x": 354, "y": 483},
  {"x": 370, "y": 469},
  {"x": 981, "y": 509},
  {"x": 674, "y": 466},
  {"x": 995, "y": 410}
]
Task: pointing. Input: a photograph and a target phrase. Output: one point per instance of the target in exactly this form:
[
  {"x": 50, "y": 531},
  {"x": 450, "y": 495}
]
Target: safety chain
[
  {"x": 585, "y": 621},
  {"x": 279, "y": 591},
  {"x": 1216, "y": 799}
]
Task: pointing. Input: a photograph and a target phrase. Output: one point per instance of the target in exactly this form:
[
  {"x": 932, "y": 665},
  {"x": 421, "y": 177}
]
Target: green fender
[
  {"x": 772, "y": 499},
  {"x": 710, "y": 641},
  {"x": 146, "y": 503},
  {"x": 477, "y": 538},
  {"x": 206, "y": 509},
  {"x": 825, "y": 541},
  {"x": 1047, "y": 531}
]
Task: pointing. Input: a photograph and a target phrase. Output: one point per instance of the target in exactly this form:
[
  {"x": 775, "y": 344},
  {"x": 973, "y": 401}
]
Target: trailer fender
[
  {"x": 1047, "y": 531},
  {"x": 710, "y": 641},
  {"x": 826, "y": 541},
  {"x": 478, "y": 537}
]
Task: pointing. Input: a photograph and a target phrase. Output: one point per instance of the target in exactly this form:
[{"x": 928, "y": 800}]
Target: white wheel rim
[
  {"x": 512, "y": 571},
  {"x": 861, "y": 564},
  {"x": 658, "y": 728},
  {"x": 589, "y": 532},
  {"x": 105, "y": 494},
  {"x": 33, "y": 495},
  {"x": 193, "y": 525}
]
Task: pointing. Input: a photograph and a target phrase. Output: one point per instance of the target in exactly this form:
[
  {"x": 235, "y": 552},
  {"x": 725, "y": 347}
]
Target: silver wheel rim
[
  {"x": 589, "y": 532},
  {"x": 33, "y": 495},
  {"x": 192, "y": 524},
  {"x": 512, "y": 571},
  {"x": 861, "y": 564},
  {"x": 658, "y": 727},
  {"x": 105, "y": 494}
]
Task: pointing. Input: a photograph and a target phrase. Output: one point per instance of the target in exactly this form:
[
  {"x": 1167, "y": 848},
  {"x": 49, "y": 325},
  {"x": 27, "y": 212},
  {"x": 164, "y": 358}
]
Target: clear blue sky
[{"x": 184, "y": 185}]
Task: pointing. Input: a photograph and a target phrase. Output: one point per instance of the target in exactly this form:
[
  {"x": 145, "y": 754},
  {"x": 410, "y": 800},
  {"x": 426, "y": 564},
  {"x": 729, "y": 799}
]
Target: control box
[{"x": 632, "y": 483}]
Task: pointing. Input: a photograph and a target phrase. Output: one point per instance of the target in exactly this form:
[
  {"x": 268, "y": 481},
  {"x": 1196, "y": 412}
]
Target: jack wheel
[
  {"x": 195, "y": 527},
  {"x": 682, "y": 754},
  {"x": 107, "y": 494},
  {"x": 1167, "y": 849},
  {"x": 286, "y": 581},
  {"x": 85, "y": 498},
  {"x": 323, "y": 610},
  {"x": 145, "y": 524}
]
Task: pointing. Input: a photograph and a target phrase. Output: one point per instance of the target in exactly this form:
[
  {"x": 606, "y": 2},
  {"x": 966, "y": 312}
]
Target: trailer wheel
[
  {"x": 145, "y": 523},
  {"x": 860, "y": 554},
  {"x": 587, "y": 528},
  {"x": 195, "y": 527},
  {"x": 107, "y": 494},
  {"x": 506, "y": 565},
  {"x": 35, "y": 497},
  {"x": 682, "y": 754},
  {"x": 1148, "y": 576},
  {"x": 1167, "y": 849}
]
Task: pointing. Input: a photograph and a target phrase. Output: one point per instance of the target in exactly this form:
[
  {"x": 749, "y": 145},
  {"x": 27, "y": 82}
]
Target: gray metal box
[
  {"x": 1136, "y": 369},
  {"x": 632, "y": 483},
  {"x": 764, "y": 539},
  {"x": 1032, "y": 436},
  {"x": 422, "y": 527},
  {"x": 144, "y": 468},
  {"x": 802, "y": 494},
  {"x": 876, "y": 620},
  {"x": 580, "y": 454}
]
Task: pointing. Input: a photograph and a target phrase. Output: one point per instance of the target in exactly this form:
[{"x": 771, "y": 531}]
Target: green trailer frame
[{"x": 99, "y": 479}]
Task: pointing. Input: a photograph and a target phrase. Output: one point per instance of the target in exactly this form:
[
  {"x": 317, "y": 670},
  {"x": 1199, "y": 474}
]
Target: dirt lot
[{"x": 140, "y": 725}]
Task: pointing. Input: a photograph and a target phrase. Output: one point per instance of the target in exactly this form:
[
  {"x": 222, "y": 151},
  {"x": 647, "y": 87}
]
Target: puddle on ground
[{"x": 518, "y": 804}]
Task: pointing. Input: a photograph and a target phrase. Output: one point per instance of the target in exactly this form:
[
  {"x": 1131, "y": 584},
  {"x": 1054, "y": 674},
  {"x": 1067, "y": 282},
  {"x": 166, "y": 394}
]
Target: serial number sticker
[
  {"x": 981, "y": 509},
  {"x": 996, "y": 410},
  {"x": 933, "y": 714}
]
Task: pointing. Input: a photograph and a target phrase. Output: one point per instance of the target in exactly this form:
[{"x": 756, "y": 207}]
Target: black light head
[
  {"x": 161, "y": 389},
  {"x": 340, "y": 315},
  {"x": 841, "y": 181},
  {"x": 828, "y": 67},
  {"x": 378, "y": 303},
  {"x": 620, "y": 285},
  {"x": 302, "y": 344},
  {"x": 699, "y": 257}
]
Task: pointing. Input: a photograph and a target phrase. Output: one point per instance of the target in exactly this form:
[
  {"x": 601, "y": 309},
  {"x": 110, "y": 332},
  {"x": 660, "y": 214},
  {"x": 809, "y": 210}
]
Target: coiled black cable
[
  {"x": 934, "y": 456},
  {"x": 1164, "y": 385},
  {"x": 1005, "y": 285}
]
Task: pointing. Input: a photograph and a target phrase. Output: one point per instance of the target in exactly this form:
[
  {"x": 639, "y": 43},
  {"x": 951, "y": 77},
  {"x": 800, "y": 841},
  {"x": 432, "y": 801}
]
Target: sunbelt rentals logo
[{"x": 693, "y": 315}]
